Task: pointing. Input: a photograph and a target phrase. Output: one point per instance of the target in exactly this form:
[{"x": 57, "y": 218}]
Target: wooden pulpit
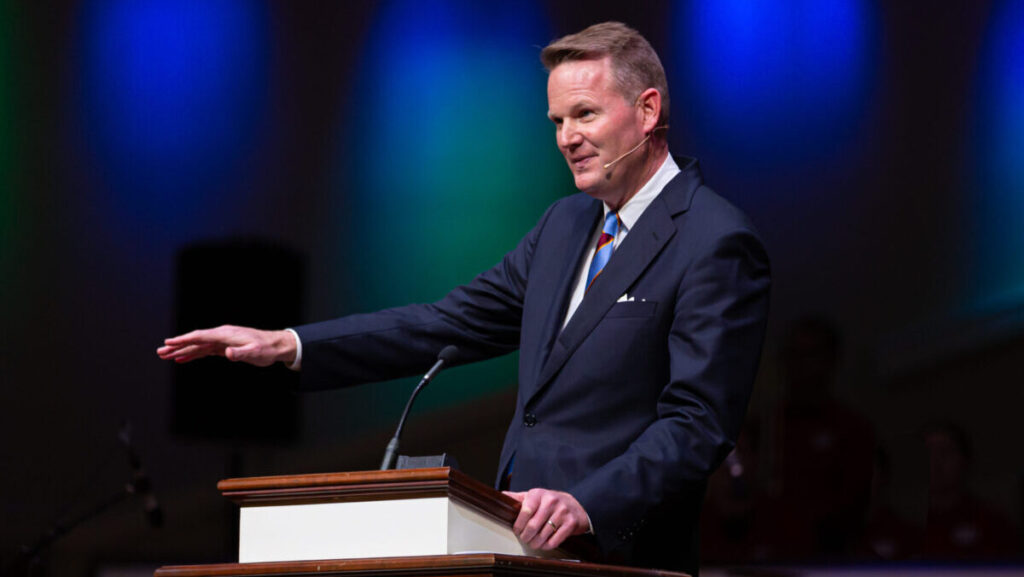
[{"x": 434, "y": 521}]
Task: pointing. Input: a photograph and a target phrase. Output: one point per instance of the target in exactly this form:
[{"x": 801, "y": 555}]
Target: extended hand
[
  {"x": 253, "y": 346},
  {"x": 547, "y": 518}
]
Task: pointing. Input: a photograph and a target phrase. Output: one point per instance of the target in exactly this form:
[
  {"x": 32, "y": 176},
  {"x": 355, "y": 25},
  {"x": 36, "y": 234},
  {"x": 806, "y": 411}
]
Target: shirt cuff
[{"x": 296, "y": 365}]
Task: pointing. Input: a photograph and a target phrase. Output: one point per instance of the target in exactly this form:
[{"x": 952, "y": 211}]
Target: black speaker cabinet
[{"x": 251, "y": 283}]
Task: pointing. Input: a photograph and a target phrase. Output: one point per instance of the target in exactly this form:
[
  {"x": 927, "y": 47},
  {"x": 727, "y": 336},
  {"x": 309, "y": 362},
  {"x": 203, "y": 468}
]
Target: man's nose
[{"x": 568, "y": 135}]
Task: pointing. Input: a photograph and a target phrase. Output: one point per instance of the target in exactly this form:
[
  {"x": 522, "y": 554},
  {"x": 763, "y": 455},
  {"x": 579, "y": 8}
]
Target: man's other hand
[
  {"x": 253, "y": 346},
  {"x": 547, "y": 518}
]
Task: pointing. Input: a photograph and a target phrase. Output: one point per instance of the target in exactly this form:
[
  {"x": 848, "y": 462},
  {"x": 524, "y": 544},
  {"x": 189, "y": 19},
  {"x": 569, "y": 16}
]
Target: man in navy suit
[{"x": 638, "y": 307}]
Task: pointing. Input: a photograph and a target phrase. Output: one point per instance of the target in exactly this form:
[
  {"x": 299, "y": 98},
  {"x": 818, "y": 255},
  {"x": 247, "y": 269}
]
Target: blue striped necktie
[{"x": 605, "y": 246}]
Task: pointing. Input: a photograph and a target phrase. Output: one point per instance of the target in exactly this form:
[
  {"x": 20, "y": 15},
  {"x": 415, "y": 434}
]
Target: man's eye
[{"x": 585, "y": 114}]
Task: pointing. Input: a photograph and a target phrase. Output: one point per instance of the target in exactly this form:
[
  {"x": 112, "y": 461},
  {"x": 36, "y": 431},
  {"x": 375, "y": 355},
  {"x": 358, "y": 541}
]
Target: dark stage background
[{"x": 356, "y": 155}]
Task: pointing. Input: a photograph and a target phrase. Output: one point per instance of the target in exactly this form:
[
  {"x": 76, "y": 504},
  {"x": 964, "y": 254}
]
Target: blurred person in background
[{"x": 959, "y": 524}]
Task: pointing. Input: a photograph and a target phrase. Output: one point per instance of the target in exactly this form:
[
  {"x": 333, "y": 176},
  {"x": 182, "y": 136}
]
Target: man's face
[{"x": 595, "y": 124}]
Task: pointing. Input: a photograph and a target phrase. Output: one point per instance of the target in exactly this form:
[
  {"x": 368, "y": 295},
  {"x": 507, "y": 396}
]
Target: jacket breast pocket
[{"x": 632, "y": 309}]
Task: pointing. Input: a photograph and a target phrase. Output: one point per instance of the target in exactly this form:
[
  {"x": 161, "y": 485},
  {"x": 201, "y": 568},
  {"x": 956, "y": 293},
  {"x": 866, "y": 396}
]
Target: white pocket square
[{"x": 626, "y": 299}]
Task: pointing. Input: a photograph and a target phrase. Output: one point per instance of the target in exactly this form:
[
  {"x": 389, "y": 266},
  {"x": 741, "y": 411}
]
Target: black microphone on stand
[{"x": 446, "y": 357}]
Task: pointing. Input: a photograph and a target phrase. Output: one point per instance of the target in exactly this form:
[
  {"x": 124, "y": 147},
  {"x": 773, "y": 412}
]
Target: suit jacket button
[{"x": 530, "y": 419}]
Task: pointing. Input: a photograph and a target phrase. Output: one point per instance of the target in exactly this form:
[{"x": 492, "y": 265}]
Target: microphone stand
[
  {"x": 29, "y": 555},
  {"x": 392, "y": 449},
  {"x": 447, "y": 356}
]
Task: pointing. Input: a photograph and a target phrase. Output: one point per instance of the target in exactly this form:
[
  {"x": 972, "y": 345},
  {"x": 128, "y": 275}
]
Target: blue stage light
[
  {"x": 446, "y": 129},
  {"x": 171, "y": 94},
  {"x": 447, "y": 159},
  {"x": 995, "y": 198},
  {"x": 771, "y": 81}
]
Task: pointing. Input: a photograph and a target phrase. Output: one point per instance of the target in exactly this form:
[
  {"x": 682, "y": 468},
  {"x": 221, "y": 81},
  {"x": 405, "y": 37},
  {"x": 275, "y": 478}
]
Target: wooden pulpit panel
[{"x": 481, "y": 564}]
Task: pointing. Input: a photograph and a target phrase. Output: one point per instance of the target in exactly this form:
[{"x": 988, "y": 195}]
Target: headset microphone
[{"x": 635, "y": 148}]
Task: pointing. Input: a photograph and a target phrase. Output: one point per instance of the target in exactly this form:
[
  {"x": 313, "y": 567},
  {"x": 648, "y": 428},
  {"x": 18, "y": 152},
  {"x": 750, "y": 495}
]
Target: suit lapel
[
  {"x": 644, "y": 242},
  {"x": 558, "y": 281}
]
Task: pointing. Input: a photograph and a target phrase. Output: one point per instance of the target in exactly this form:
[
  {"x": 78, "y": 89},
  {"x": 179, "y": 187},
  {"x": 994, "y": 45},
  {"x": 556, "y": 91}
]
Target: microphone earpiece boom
[{"x": 635, "y": 148}]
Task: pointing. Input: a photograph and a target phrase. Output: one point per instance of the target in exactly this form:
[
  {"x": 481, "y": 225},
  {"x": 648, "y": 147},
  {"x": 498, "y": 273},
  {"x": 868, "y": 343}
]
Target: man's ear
[{"x": 649, "y": 104}]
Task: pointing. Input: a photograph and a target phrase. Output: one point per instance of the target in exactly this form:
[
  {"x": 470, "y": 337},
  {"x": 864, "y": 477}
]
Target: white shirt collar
[{"x": 634, "y": 207}]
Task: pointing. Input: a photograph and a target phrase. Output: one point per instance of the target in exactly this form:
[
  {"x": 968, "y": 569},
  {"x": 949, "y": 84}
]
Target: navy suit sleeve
[
  {"x": 482, "y": 318},
  {"x": 714, "y": 345}
]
